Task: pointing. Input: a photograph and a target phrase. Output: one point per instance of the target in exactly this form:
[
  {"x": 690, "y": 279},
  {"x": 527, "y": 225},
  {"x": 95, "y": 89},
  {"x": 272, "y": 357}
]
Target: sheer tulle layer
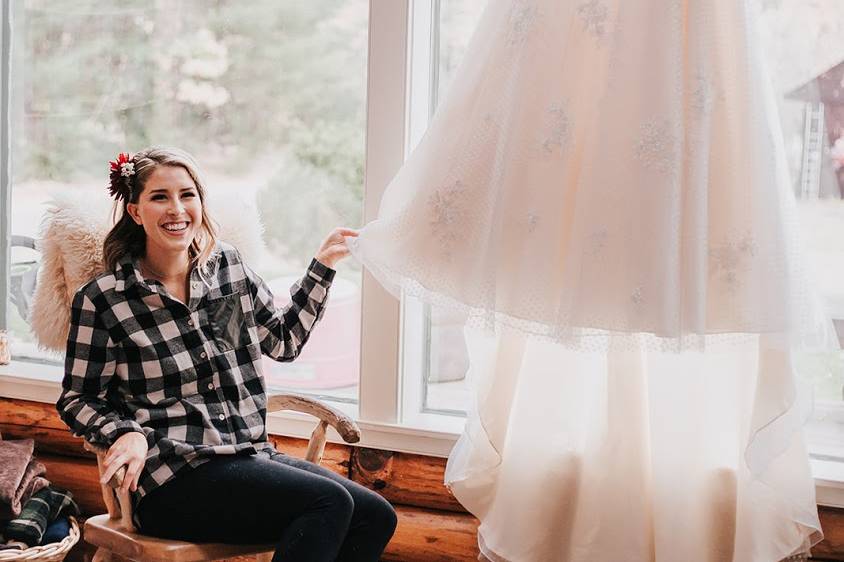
[
  {"x": 587, "y": 174},
  {"x": 585, "y": 338},
  {"x": 633, "y": 455}
]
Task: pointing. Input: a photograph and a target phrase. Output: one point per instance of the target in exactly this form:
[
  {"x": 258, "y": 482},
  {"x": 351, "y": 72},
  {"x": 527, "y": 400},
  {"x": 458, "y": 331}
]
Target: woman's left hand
[{"x": 334, "y": 248}]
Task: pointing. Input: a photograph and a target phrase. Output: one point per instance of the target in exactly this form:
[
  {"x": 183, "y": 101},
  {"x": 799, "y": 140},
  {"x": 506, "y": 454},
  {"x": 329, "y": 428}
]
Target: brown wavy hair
[{"x": 126, "y": 236}]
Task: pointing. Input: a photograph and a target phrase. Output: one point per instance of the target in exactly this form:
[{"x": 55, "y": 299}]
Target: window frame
[{"x": 5, "y": 161}]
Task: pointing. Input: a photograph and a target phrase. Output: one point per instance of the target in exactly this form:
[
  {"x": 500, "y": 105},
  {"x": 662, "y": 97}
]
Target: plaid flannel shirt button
[
  {"x": 203, "y": 355},
  {"x": 190, "y": 322},
  {"x": 221, "y": 417}
]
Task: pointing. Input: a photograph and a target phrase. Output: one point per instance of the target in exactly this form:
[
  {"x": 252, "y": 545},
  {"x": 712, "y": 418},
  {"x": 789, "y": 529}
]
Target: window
[
  {"x": 268, "y": 96},
  {"x": 271, "y": 97},
  {"x": 806, "y": 57},
  {"x": 435, "y": 360}
]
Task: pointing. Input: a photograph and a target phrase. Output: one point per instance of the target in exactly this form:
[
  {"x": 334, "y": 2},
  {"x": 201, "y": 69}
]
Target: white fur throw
[{"x": 71, "y": 245}]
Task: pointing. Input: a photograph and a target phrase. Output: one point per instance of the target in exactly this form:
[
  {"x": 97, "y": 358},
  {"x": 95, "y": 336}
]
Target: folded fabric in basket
[
  {"x": 20, "y": 476},
  {"x": 42, "y": 508},
  {"x": 56, "y": 531}
]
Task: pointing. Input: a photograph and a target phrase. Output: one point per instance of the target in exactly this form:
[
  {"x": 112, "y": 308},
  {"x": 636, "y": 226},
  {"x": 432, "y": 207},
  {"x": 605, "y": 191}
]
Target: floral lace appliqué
[
  {"x": 594, "y": 15},
  {"x": 532, "y": 221},
  {"x": 701, "y": 95},
  {"x": 596, "y": 242},
  {"x": 558, "y": 130},
  {"x": 636, "y": 296},
  {"x": 729, "y": 259},
  {"x": 522, "y": 18},
  {"x": 446, "y": 210},
  {"x": 656, "y": 147}
]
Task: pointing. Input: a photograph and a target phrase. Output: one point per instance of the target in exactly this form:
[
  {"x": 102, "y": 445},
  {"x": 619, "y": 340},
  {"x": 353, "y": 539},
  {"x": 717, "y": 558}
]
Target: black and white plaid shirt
[{"x": 188, "y": 377}]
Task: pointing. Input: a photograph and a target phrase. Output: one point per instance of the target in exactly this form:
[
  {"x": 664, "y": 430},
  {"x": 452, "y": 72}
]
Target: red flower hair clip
[
  {"x": 124, "y": 164},
  {"x": 121, "y": 174}
]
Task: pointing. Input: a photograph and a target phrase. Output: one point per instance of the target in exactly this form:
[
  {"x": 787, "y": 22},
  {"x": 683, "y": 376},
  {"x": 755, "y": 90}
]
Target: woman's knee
[
  {"x": 388, "y": 520},
  {"x": 335, "y": 498},
  {"x": 378, "y": 512}
]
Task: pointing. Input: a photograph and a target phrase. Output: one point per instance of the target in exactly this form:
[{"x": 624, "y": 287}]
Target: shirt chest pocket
[{"x": 227, "y": 322}]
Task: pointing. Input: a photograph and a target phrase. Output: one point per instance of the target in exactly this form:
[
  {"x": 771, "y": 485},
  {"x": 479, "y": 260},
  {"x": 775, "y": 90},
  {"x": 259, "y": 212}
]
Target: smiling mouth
[{"x": 175, "y": 227}]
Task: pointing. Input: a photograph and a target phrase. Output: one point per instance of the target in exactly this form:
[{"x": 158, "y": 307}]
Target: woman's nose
[{"x": 176, "y": 208}]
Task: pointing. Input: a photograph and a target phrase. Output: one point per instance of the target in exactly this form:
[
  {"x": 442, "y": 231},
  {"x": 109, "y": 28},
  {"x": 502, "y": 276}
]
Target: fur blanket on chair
[{"x": 71, "y": 245}]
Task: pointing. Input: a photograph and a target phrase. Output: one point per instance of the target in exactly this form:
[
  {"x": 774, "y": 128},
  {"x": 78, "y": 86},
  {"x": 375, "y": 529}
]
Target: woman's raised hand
[
  {"x": 334, "y": 248},
  {"x": 130, "y": 449}
]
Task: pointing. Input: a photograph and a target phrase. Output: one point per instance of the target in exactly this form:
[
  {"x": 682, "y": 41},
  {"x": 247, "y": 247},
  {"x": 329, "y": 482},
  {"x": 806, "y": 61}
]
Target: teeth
[{"x": 174, "y": 226}]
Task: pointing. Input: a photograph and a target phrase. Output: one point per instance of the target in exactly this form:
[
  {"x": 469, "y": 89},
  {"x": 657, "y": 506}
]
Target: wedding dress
[{"x": 604, "y": 192}]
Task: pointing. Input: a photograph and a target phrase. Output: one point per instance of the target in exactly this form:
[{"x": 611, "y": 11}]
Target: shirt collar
[
  {"x": 128, "y": 274},
  {"x": 128, "y": 271}
]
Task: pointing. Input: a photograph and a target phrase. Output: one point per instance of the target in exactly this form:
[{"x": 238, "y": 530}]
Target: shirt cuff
[
  {"x": 112, "y": 430},
  {"x": 320, "y": 272}
]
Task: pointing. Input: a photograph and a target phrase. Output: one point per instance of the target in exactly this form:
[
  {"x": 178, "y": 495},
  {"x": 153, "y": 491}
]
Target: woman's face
[{"x": 169, "y": 209}]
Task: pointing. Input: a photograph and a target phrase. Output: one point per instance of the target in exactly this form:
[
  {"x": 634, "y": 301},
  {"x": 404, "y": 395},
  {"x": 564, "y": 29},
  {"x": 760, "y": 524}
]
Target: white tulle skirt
[
  {"x": 604, "y": 191},
  {"x": 633, "y": 455}
]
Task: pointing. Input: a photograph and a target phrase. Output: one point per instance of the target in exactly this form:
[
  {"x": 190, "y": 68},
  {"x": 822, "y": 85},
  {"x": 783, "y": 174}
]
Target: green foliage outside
[{"x": 239, "y": 84}]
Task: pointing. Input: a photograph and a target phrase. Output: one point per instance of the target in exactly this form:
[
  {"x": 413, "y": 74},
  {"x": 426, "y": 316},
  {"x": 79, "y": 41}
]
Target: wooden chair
[{"x": 115, "y": 535}]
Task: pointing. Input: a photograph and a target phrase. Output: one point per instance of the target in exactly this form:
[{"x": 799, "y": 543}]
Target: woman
[{"x": 163, "y": 368}]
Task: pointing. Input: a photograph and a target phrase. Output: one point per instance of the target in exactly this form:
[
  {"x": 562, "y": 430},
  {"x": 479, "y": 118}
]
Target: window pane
[
  {"x": 268, "y": 96},
  {"x": 445, "y": 383},
  {"x": 805, "y": 43},
  {"x": 458, "y": 19}
]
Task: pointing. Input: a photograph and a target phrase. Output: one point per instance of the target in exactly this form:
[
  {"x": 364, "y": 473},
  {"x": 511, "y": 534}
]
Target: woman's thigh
[
  {"x": 365, "y": 499},
  {"x": 236, "y": 500}
]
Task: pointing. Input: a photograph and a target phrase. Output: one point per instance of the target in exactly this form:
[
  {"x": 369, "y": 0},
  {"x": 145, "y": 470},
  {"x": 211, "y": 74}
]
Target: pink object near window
[{"x": 331, "y": 357}]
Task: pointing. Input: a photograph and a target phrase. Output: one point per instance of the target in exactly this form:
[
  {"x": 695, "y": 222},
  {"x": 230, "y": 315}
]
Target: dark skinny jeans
[{"x": 309, "y": 512}]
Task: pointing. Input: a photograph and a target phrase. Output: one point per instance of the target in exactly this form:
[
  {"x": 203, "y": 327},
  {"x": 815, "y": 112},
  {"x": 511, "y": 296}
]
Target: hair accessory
[
  {"x": 124, "y": 164},
  {"x": 122, "y": 171}
]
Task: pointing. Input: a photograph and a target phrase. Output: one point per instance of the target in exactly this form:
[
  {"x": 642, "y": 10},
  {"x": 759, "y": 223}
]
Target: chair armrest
[{"x": 345, "y": 426}]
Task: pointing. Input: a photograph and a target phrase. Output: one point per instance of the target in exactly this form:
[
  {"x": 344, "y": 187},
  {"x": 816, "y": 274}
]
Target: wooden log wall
[{"x": 432, "y": 525}]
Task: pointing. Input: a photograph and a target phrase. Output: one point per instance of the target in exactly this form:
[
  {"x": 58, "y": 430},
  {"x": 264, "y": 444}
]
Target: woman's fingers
[
  {"x": 137, "y": 477},
  {"x": 131, "y": 476},
  {"x": 128, "y": 450},
  {"x": 133, "y": 469},
  {"x": 110, "y": 466},
  {"x": 334, "y": 247},
  {"x": 346, "y": 231},
  {"x": 111, "y": 454}
]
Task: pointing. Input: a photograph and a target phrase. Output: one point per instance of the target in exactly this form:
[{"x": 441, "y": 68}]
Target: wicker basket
[{"x": 54, "y": 552}]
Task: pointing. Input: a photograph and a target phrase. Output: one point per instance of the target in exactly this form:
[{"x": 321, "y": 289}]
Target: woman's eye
[
  {"x": 190, "y": 194},
  {"x": 158, "y": 197}
]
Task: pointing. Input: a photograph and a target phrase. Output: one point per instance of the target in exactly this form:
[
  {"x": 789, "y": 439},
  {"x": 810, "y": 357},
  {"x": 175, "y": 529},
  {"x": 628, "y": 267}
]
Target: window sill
[
  {"x": 829, "y": 482},
  {"x": 28, "y": 381}
]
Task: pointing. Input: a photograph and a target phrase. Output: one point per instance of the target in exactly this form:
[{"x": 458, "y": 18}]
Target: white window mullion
[
  {"x": 422, "y": 79},
  {"x": 5, "y": 160},
  {"x": 423, "y": 68},
  {"x": 380, "y": 382}
]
